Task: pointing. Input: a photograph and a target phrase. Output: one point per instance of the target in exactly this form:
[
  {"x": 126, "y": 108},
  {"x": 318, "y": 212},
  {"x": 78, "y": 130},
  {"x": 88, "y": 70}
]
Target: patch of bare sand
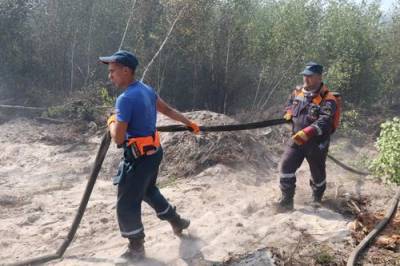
[{"x": 229, "y": 206}]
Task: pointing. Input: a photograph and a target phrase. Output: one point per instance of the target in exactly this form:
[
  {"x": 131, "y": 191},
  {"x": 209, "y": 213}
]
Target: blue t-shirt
[{"x": 137, "y": 107}]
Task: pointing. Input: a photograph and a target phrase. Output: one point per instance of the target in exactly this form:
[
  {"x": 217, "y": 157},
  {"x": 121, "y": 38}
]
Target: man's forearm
[{"x": 117, "y": 134}]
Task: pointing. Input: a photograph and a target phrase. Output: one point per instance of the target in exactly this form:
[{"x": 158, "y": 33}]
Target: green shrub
[
  {"x": 106, "y": 98},
  {"x": 387, "y": 163},
  {"x": 350, "y": 120},
  {"x": 79, "y": 110},
  {"x": 87, "y": 104}
]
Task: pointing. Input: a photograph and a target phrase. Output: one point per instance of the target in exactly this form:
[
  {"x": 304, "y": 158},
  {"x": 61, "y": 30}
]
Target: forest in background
[{"x": 223, "y": 56}]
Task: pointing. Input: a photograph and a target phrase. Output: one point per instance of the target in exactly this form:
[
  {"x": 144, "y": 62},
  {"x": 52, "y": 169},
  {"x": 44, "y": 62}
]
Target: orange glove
[
  {"x": 302, "y": 136},
  {"x": 111, "y": 120},
  {"x": 194, "y": 128},
  {"x": 287, "y": 116}
]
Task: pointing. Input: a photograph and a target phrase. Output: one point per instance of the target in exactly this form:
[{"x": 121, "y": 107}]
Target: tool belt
[{"x": 141, "y": 146}]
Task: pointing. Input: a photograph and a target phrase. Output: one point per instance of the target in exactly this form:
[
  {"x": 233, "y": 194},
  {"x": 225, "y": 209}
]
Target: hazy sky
[{"x": 387, "y": 4}]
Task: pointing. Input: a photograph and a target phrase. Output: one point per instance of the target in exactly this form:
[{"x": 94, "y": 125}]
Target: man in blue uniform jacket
[{"x": 134, "y": 127}]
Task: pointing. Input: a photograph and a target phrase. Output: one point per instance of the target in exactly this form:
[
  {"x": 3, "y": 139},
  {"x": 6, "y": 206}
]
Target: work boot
[
  {"x": 135, "y": 252},
  {"x": 317, "y": 199},
  {"x": 178, "y": 223},
  {"x": 285, "y": 203}
]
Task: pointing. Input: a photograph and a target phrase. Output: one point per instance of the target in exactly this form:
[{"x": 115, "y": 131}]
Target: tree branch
[
  {"x": 162, "y": 44},
  {"x": 127, "y": 24}
]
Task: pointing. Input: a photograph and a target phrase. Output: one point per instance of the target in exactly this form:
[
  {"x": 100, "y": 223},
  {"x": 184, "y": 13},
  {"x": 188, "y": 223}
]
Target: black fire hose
[
  {"x": 261, "y": 124},
  {"x": 346, "y": 167},
  {"x": 254, "y": 125},
  {"x": 101, "y": 154},
  {"x": 378, "y": 228}
]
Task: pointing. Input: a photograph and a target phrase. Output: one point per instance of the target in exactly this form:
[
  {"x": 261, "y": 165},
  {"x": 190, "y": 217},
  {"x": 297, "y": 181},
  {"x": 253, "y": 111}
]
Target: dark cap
[
  {"x": 312, "y": 68},
  {"x": 122, "y": 57}
]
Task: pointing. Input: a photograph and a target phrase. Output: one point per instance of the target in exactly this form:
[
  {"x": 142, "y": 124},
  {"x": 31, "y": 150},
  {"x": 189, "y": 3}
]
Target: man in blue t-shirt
[{"x": 134, "y": 126}]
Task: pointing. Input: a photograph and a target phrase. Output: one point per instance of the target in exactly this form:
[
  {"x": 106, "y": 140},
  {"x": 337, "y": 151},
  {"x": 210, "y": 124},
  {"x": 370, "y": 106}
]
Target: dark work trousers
[
  {"x": 137, "y": 182},
  {"x": 315, "y": 154}
]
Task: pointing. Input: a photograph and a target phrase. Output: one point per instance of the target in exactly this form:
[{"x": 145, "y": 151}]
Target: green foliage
[
  {"x": 55, "y": 111},
  {"x": 105, "y": 97},
  {"x": 350, "y": 119},
  {"x": 224, "y": 56},
  {"x": 14, "y": 52},
  {"x": 348, "y": 45},
  {"x": 88, "y": 104},
  {"x": 79, "y": 110},
  {"x": 387, "y": 163},
  {"x": 388, "y": 62},
  {"x": 324, "y": 258}
]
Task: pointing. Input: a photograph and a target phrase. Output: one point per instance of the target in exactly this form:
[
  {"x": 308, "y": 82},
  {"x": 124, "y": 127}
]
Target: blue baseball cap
[
  {"x": 312, "y": 68},
  {"x": 122, "y": 57}
]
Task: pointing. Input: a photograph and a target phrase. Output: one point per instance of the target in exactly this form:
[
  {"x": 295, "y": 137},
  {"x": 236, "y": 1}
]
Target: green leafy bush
[
  {"x": 88, "y": 104},
  {"x": 387, "y": 163},
  {"x": 350, "y": 119},
  {"x": 106, "y": 98},
  {"x": 76, "y": 110}
]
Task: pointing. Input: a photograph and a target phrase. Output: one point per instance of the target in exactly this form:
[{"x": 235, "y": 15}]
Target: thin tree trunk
[
  {"x": 72, "y": 61},
  {"x": 279, "y": 82},
  {"x": 89, "y": 47},
  {"x": 273, "y": 79},
  {"x": 159, "y": 71},
  {"x": 195, "y": 79},
  {"x": 127, "y": 25},
  {"x": 162, "y": 76},
  {"x": 258, "y": 89},
  {"x": 162, "y": 44},
  {"x": 227, "y": 60},
  {"x": 225, "y": 102},
  {"x": 226, "y": 75}
]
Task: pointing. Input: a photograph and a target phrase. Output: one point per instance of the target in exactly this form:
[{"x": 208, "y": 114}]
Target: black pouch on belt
[{"x": 135, "y": 151}]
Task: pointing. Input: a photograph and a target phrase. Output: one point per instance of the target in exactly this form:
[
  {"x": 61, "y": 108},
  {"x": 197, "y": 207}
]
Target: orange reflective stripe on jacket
[{"x": 323, "y": 95}]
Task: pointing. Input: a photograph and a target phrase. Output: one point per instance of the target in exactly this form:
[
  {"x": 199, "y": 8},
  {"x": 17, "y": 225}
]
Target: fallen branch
[
  {"x": 358, "y": 209},
  {"x": 290, "y": 259}
]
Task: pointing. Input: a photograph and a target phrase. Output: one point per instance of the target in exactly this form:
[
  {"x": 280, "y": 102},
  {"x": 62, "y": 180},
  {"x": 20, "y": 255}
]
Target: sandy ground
[{"x": 42, "y": 179}]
